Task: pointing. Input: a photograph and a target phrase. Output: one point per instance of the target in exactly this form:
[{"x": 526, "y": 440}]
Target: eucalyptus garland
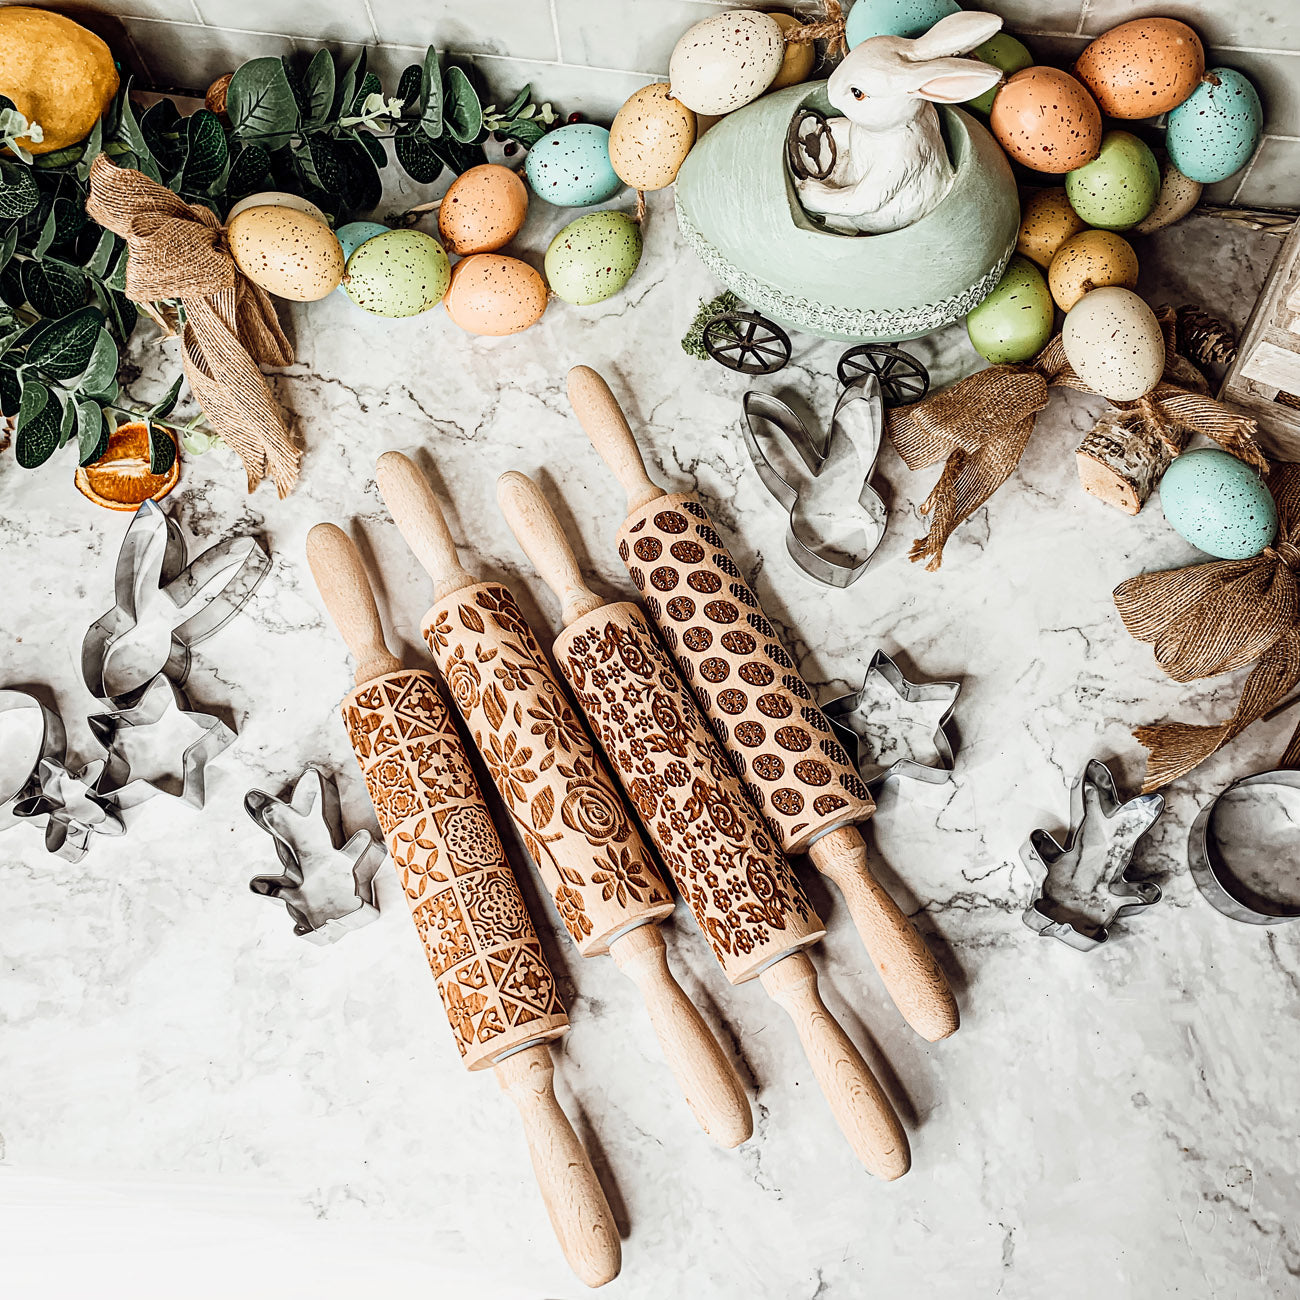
[{"x": 318, "y": 132}]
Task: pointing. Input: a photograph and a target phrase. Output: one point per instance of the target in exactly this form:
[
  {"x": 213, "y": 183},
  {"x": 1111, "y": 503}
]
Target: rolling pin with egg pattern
[
  {"x": 743, "y": 678},
  {"x": 559, "y": 793},
  {"x": 496, "y": 987},
  {"x": 732, "y": 875}
]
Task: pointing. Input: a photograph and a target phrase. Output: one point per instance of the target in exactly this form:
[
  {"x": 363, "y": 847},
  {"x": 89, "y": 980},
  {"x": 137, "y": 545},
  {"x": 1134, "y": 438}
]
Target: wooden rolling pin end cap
[
  {"x": 571, "y": 1192},
  {"x": 704, "y": 1074}
]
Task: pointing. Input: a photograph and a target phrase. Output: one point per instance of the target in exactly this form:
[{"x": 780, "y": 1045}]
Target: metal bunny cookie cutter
[
  {"x": 308, "y": 832},
  {"x": 857, "y": 427},
  {"x": 1093, "y": 865}
]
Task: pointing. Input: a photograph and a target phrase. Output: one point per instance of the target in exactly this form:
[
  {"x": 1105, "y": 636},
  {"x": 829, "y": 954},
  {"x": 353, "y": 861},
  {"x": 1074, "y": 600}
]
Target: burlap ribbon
[
  {"x": 1211, "y": 618},
  {"x": 981, "y": 425},
  {"x": 178, "y": 251}
]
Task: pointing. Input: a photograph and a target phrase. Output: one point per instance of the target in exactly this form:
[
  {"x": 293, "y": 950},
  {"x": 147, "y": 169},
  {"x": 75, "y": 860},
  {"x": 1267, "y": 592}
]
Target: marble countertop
[{"x": 197, "y": 1104}]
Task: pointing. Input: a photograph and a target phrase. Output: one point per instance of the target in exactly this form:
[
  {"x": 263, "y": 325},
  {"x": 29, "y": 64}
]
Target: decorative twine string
[{"x": 830, "y": 28}]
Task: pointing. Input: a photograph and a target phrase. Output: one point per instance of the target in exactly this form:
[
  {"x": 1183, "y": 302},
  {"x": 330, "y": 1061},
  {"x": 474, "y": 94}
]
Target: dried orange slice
[{"x": 121, "y": 478}]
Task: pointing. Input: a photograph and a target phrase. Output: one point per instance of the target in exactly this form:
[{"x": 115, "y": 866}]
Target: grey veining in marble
[{"x": 195, "y": 1104}]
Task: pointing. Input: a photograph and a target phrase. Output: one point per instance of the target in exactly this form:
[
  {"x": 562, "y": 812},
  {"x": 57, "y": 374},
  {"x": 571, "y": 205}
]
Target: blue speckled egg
[
  {"x": 571, "y": 167},
  {"x": 1213, "y": 132},
  {"x": 1219, "y": 504},
  {"x": 894, "y": 18},
  {"x": 352, "y": 236}
]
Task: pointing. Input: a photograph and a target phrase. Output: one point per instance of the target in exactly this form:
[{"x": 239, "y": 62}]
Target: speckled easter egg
[
  {"x": 592, "y": 258},
  {"x": 276, "y": 199},
  {"x": 650, "y": 138},
  {"x": 1092, "y": 259},
  {"x": 1219, "y": 504},
  {"x": 355, "y": 233},
  {"x": 1046, "y": 221},
  {"x": 1014, "y": 322},
  {"x": 571, "y": 167},
  {"x": 725, "y": 61},
  {"x": 797, "y": 62},
  {"x": 1213, "y": 132},
  {"x": 1119, "y": 187},
  {"x": 1046, "y": 119},
  {"x": 494, "y": 294},
  {"x": 286, "y": 252},
  {"x": 482, "y": 210},
  {"x": 1002, "y": 51},
  {"x": 400, "y": 273},
  {"x": 1178, "y": 195},
  {"x": 1115, "y": 344},
  {"x": 870, "y": 18},
  {"x": 1142, "y": 68}
]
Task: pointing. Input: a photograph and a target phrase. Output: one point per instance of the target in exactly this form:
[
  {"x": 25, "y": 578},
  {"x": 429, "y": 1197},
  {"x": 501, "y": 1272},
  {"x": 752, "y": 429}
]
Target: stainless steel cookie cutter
[
  {"x": 30, "y": 734},
  {"x": 308, "y": 832},
  {"x": 1097, "y": 856},
  {"x": 851, "y": 717},
  {"x": 859, "y": 418}
]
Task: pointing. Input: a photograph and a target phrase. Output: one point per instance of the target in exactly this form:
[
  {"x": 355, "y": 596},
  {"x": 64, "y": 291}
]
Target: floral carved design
[
  {"x": 467, "y": 908},
  {"x": 568, "y": 809}
]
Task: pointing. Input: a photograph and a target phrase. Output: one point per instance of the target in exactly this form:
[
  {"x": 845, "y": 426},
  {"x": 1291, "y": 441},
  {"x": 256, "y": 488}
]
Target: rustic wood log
[{"x": 1119, "y": 461}]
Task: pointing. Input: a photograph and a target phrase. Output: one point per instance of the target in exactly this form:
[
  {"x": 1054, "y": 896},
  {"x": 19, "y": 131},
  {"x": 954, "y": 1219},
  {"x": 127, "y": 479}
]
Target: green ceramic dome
[{"x": 737, "y": 207}]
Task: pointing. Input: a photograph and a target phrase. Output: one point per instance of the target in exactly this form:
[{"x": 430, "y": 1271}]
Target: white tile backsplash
[{"x": 522, "y": 29}]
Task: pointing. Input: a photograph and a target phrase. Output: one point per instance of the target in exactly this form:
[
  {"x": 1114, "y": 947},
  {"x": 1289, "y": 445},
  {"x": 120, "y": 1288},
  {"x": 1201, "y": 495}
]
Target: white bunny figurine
[{"x": 891, "y": 164}]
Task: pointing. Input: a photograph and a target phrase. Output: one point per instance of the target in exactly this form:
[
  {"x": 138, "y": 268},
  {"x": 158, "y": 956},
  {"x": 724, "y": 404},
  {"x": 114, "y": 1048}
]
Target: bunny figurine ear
[
  {"x": 956, "y": 34},
  {"x": 953, "y": 81}
]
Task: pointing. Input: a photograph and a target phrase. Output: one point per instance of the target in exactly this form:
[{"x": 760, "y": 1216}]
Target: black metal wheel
[
  {"x": 808, "y": 132},
  {"x": 903, "y": 378},
  {"x": 747, "y": 342}
]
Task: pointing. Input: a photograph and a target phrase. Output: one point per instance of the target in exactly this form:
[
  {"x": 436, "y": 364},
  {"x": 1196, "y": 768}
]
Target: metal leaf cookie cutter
[
  {"x": 308, "y": 832},
  {"x": 857, "y": 722},
  {"x": 859, "y": 420},
  {"x": 1096, "y": 857}
]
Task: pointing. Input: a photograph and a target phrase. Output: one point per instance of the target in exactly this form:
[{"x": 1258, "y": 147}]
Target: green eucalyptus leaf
[
  {"x": 409, "y": 87},
  {"x": 103, "y": 254},
  {"x": 64, "y": 350},
  {"x": 161, "y": 128},
  {"x": 347, "y": 84},
  {"x": 60, "y": 159},
  {"x": 18, "y": 192},
  {"x": 163, "y": 408},
  {"x": 131, "y": 135},
  {"x": 53, "y": 287},
  {"x": 207, "y": 155},
  {"x": 362, "y": 188},
  {"x": 372, "y": 146},
  {"x": 162, "y": 449},
  {"x": 260, "y": 103},
  {"x": 69, "y": 219},
  {"x": 523, "y": 129},
  {"x": 39, "y": 417},
  {"x": 91, "y": 431},
  {"x": 46, "y": 237},
  {"x": 321, "y": 163},
  {"x": 463, "y": 114},
  {"x": 431, "y": 94},
  {"x": 93, "y": 148},
  {"x": 67, "y": 415},
  {"x": 458, "y": 157},
  {"x": 518, "y": 102},
  {"x": 8, "y": 243},
  {"x": 370, "y": 85},
  {"x": 417, "y": 155},
  {"x": 319, "y": 88}
]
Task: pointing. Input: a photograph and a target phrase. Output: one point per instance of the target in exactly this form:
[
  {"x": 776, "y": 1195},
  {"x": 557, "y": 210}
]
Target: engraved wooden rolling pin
[
  {"x": 762, "y": 710},
  {"x": 736, "y": 881},
  {"x": 496, "y": 988},
  {"x": 559, "y": 792}
]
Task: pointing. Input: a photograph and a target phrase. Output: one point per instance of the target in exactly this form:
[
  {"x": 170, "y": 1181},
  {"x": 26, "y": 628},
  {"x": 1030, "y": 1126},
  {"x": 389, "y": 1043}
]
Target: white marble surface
[{"x": 197, "y": 1104}]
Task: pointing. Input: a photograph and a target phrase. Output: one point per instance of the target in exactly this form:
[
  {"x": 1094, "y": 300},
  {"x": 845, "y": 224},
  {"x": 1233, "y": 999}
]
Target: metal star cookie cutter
[
  {"x": 159, "y": 595},
  {"x": 308, "y": 832},
  {"x": 859, "y": 419},
  {"x": 851, "y": 717},
  {"x": 73, "y": 807},
  {"x": 1094, "y": 804},
  {"x": 30, "y": 734}
]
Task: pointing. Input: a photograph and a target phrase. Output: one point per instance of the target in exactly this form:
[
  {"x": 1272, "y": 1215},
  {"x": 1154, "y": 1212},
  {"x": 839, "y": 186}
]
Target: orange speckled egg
[
  {"x": 493, "y": 294},
  {"x": 1047, "y": 220},
  {"x": 1046, "y": 119},
  {"x": 1142, "y": 68},
  {"x": 482, "y": 210},
  {"x": 650, "y": 137}
]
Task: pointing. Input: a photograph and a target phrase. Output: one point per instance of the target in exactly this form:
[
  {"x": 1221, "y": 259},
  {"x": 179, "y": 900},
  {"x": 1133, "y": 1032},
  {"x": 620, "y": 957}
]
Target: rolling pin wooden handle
[
  {"x": 906, "y": 965},
  {"x": 705, "y": 1076},
  {"x": 579, "y": 1213},
  {"x": 538, "y": 531},
  {"x": 345, "y": 589},
  {"x": 605, "y": 424},
  {"x": 420, "y": 520},
  {"x": 865, "y": 1115}
]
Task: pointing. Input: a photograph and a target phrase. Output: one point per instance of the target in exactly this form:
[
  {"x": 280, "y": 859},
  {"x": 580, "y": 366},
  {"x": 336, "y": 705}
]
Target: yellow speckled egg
[
  {"x": 286, "y": 252},
  {"x": 1142, "y": 68},
  {"x": 1046, "y": 119},
  {"x": 1115, "y": 344},
  {"x": 276, "y": 199},
  {"x": 650, "y": 138},
  {"x": 797, "y": 64},
  {"x": 482, "y": 210},
  {"x": 1047, "y": 220},
  {"x": 1090, "y": 260},
  {"x": 493, "y": 294}
]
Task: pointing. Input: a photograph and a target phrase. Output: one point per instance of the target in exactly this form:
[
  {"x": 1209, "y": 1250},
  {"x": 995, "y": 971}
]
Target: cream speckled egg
[
  {"x": 1114, "y": 342},
  {"x": 650, "y": 138},
  {"x": 286, "y": 252},
  {"x": 494, "y": 295},
  {"x": 276, "y": 199},
  {"x": 1047, "y": 220},
  {"x": 592, "y": 258},
  {"x": 726, "y": 61},
  {"x": 1090, "y": 260},
  {"x": 482, "y": 210},
  {"x": 401, "y": 273},
  {"x": 1178, "y": 195}
]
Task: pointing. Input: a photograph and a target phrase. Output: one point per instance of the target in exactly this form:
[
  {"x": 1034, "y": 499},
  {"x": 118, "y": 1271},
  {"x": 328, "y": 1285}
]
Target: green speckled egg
[
  {"x": 870, "y": 18},
  {"x": 1219, "y": 504},
  {"x": 592, "y": 258},
  {"x": 571, "y": 167},
  {"x": 1014, "y": 322},
  {"x": 1119, "y": 187},
  {"x": 1213, "y": 132},
  {"x": 352, "y": 236},
  {"x": 401, "y": 273}
]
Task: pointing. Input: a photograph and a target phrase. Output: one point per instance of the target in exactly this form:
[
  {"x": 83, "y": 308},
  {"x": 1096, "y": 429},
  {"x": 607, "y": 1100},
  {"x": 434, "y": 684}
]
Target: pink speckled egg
[
  {"x": 494, "y": 295},
  {"x": 1046, "y": 119},
  {"x": 482, "y": 210},
  {"x": 1142, "y": 68}
]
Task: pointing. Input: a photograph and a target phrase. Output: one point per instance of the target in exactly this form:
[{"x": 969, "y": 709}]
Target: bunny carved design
[{"x": 892, "y": 166}]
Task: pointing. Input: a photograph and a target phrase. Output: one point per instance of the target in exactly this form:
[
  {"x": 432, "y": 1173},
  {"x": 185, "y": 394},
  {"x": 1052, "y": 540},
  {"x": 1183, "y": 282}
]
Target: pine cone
[{"x": 1205, "y": 338}]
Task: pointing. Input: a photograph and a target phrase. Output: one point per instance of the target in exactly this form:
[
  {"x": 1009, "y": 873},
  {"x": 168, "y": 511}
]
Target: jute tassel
[
  {"x": 230, "y": 328},
  {"x": 1211, "y": 618},
  {"x": 981, "y": 425}
]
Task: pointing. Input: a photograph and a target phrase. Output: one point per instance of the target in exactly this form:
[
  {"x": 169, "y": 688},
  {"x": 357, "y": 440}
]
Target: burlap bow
[
  {"x": 1211, "y": 618},
  {"x": 178, "y": 251},
  {"x": 982, "y": 424}
]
